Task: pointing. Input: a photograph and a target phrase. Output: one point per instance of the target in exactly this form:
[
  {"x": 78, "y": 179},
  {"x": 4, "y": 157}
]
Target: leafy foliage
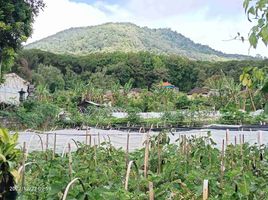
[
  {"x": 176, "y": 170},
  {"x": 16, "y": 18},
  {"x": 257, "y": 13},
  {"x": 9, "y": 155}
]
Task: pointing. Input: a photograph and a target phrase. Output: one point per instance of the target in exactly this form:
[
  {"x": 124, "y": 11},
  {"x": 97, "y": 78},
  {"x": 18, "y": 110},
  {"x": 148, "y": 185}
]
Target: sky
[{"x": 209, "y": 22}]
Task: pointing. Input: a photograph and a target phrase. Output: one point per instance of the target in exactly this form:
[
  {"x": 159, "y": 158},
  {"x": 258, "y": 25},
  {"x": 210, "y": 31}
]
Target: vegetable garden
[{"x": 160, "y": 170}]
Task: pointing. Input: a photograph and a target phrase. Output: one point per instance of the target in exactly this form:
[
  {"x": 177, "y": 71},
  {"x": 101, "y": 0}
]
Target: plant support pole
[
  {"x": 23, "y": 168},
  {"x": 54, "y": 147},
  {"x": 205, "y": 190}
]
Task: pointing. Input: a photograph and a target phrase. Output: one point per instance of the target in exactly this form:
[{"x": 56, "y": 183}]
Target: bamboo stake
[
  {"x": 235, "y": 140},
  {"x": 54, "y": 147},
  {"x": 146, "y": 156},
  {"x": 95, "y": 152},
  {"x": 90, "y": 139},
  {"x": 65, "y": 194},
  {"x": 184, "y": 144},
  {"x": 205, "y": 190},
  {"x": 127, "y": 149},
  {"x": 70, "y": 161},
  {"x": 86, "y": 137},
  {"x": 222, "y": 163},
  {"x": 227, "y": 137},
  {"x": 159, "y": 155},
  {"x": 98, "y": 139},
  {"x": 151, "y": 191},
  {"x": 260, "y": 138},
  {"x": 47, "y": 141},
  {"x": 128, "y": 172},
  {"x": 23, "y": 168}
]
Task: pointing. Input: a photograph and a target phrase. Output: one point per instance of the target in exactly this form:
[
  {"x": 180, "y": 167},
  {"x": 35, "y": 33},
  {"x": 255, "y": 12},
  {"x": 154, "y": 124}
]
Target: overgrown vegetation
[
  {"x": 131, "y": 82},
  {"x": 177, "y": 171}
]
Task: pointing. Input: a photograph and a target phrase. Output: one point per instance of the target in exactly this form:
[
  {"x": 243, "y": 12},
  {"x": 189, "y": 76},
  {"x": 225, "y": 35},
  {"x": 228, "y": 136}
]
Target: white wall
[{"x": 9, "y": 90}]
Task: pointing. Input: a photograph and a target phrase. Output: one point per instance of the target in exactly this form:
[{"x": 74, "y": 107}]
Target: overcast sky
[{"x": 209, "y": 22}]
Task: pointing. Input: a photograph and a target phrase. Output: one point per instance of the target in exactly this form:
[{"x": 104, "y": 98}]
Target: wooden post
[
  {"x": 95, "y": 152},
  {"x": 235, "y": 141},
  {"x": 23, "y": 168},
  {"x": 127, "y": 149},
  {"x": 184, "y": 144},
  {"x": 205, "y": 190},
  {"x": 86, "y": 137},
  {"x": 227, "y": 137},
  {"x": 98, "y": 139},
  {"x": 159, "y": 155},
  {"x": 260, "y": 143},
  {"x": 151, "y": 191},
  {"x": 46, "y": 156},
  {"x": 146, "y": 156},
  {"x": 260, "y": 138},
  {"x": 54, "y": 147},
  {"x": 243, "y": 139},
  {"x": 47, "y": 141},
  {"x": 90, "y": 139},
  {"x": 222, "y": 163},
  {"x": 70, "y": 161}
]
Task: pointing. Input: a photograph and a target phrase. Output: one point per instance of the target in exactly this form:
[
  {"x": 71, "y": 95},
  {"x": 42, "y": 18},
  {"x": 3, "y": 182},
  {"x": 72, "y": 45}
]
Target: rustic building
[{"x": 11, "y": 89}]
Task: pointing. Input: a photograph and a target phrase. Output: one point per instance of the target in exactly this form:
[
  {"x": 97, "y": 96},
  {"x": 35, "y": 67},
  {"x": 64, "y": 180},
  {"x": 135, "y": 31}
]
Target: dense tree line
[{"x": 105, "y": 69}]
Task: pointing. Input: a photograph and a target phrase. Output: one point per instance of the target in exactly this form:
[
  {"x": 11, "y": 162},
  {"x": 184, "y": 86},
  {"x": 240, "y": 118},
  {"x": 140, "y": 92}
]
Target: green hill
[{"x": 128, "y": 37}]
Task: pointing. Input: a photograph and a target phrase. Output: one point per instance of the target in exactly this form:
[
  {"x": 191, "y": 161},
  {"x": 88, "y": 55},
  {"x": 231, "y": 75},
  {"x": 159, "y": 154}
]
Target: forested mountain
[
  {"x": 105, "y": 70},
  {"x": 127, "y": 37}
]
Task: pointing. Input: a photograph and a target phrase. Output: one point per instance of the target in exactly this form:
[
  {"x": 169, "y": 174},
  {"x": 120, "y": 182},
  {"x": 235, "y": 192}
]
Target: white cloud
[
  {"x": 59, "y": 15},
  {"x": 195, "y": 20}
]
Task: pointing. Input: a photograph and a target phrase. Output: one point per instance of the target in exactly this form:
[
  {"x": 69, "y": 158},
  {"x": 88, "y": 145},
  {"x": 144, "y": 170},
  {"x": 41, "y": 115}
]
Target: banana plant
[
  {"x": 252, "y": 79},
  {"x": 9, "y": 155}
]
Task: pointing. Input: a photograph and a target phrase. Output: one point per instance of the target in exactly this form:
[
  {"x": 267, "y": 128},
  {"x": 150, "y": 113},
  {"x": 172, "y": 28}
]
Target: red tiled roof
[{"x": 166, "y": 84}]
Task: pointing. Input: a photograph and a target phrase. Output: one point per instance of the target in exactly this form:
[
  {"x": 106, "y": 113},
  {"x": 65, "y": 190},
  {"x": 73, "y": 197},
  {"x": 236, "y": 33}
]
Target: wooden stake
[
  {"x": 90, "y": 139},
  {"x": 54, "y": 147},
  {"x": 70, "y": 161},
  {"x": 222, "y": 163},
  {"x": 127, "y": 149},
  {"x": 227, "y": 137},
  {"x": 46, "y": 141},
  {"x": 46, "y": 147},
  {"x": 95, "y": 152},
  {"x": 159, "y": 155},
  {"x": 98, "y": 139},
  {"x": 146, "y": 156},
  {"x": 86, "y": 138},
  {"x": 23, "y": 168},
  {"x": 205, "y": 190},
  {"x": 260, "y": 138},
  {"x": 151, "y": 191},
  {"x": 235, "y": 140}
]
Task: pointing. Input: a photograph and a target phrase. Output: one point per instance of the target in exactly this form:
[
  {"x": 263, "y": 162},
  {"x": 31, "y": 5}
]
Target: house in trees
[
  {"x": 13, "y": 90},
  {"x": 204, "y": 92},
  {"x": 167, "y": 85}
]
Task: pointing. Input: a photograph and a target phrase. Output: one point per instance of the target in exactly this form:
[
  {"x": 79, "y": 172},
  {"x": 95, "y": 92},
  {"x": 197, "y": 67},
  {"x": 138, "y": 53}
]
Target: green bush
[{"x": 34, "y": 114}]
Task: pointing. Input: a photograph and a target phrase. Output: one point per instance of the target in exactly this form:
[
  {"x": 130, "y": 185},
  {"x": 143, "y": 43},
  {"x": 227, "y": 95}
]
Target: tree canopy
[
  {"x": 16, "y": 18},
  {"x": 257, "y": 12}
]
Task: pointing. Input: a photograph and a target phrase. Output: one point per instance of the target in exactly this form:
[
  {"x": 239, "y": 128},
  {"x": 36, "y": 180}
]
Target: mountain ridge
[{"x": 128, "y": 37}]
